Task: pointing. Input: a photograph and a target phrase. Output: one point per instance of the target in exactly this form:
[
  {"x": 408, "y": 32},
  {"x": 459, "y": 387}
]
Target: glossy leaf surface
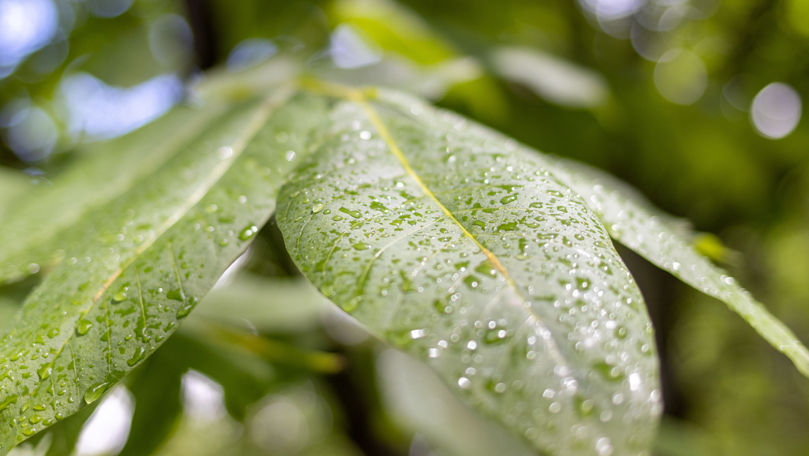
[
  {"x": 35, "y": 226},
  {"x": 146, "y": 260},
  {"x": 450, "y": 242},
  {"x": 635, "y": 223}
]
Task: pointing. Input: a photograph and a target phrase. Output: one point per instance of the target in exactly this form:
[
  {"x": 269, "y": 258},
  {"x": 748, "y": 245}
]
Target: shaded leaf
[
  {"x": 271, "y": 304},
  {"x": 446, "y": 240},
  {"x": 422, "y": 403},
  {"x": 144, "y": 263},
  {"x": 158, "y": 405},
  {"x": 636, "y": 224},
  {"x": 244, "y": 377}
]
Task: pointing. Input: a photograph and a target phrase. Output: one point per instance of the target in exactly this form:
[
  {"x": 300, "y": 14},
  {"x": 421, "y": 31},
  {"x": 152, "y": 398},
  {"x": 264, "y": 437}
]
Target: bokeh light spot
[
  {"x": 680, "y": 76},
  {"x": 776, "y": 110}
]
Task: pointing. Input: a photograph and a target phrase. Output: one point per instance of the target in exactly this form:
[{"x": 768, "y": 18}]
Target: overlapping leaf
[
  {"x": 450, "y": 242},
  {"x": 34, "y": 226},
  {"x": 143, "y": 260},
  {"x": 635, "y": 223}
]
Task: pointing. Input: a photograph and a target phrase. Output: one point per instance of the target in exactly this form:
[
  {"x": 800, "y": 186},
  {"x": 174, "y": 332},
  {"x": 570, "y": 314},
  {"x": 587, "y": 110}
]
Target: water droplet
[
  {"x": 511, "y": 226},
  {"x": 8, "y": 400},
  {"x": 139, "y": 354},
  {"x": 603, "y": 447},
  {"x": 609, "y": 372},
  {"x": 377, "y": 206},
  {"x": 361, "y": 246},
  {"x": 353, "y": 213},
  {"x": 176, "y": 294},
  {"x": 508, "y": 199},
  {"x": 464, "y": 383},
  {"x": 95, "y": 392},
  {"x": 45, "y": 371},
  {"x": 83, "y": 326},
  {"x": 471, "y": 281},
  {"x": 290, "y": 155},
  {"x": 225, "y": 152},
  {"x": 187, "y": 307},
  {"x": 248, "y": 232}
]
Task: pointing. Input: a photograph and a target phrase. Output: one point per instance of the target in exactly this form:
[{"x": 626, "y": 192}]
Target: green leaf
[
  {"x": 635, "y": 223},
  {"x": 245, "y": 377},
  {"x": 156, "y": 388},
  {"x": 12, "y": 184},
  {"x": 144, "y": 260},
  {"x": 269, "y": 304},
  {"x": 65, "y": 435},
  {"x": 446, "y": 240},
  {"x": 33, "y": 227}
]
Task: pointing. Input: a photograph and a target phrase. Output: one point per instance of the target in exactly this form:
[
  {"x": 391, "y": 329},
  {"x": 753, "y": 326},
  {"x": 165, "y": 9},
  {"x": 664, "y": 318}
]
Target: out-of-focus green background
[{"x": 696, "y": 103}]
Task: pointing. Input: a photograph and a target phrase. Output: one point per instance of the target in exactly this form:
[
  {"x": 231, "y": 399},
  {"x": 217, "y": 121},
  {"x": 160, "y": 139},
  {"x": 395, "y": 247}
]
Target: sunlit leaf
[
  {"x": 448, "y": 241},
  {"x": 145, "y": 260},
  {"x": 636, "y": 224}
]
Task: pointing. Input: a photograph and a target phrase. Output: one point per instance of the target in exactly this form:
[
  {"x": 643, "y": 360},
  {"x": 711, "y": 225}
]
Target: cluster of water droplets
[
  {"x": 471, "y": 255},
  {"x": 140, "y": 269}
]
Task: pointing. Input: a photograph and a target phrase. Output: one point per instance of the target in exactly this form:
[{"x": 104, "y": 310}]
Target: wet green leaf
[
  {"x": 141, "y": 263},
  {"x": 33, "y": 227},
  {"x": 450, "y": 242},
  {"x": 644, "y": 229}
]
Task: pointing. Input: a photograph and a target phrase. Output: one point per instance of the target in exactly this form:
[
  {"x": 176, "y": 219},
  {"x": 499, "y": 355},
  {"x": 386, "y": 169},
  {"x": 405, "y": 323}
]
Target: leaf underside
[{"x": 450, "y": 242}]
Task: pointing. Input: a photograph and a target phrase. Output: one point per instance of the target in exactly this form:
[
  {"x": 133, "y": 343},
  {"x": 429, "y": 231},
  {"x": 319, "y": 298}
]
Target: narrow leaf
[
  {"x": 446, "y": 240},
  {"x": 150, "y": 255},
  {"x": 31, "y": 234},
  {"x": 644, "y": 229}
]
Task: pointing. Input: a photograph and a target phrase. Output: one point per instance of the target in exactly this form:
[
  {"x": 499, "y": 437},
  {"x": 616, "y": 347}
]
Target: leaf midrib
[{"x": 359, "y": 97}]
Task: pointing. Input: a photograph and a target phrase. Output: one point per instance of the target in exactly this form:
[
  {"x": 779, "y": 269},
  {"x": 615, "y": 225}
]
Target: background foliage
[{"x": 668, "y": 95}]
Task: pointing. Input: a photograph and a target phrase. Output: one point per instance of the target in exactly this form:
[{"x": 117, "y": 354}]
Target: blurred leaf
[
  {"x": 244, "y": 377},
  {"x": 156, "y": 389},
  {"x": 423, "y": 403},
  {"x": 272, "y": 351},
  {"x": 145, "y": 262},
  {"x": 550, "y": 77},
  {"x": 65, "y": 434},
  {"x": 639, "y": 227},
  {"x": 271, "y": 304},
  {"x": 394, "y": 28},
  {"x": 445, "y": 240}
]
